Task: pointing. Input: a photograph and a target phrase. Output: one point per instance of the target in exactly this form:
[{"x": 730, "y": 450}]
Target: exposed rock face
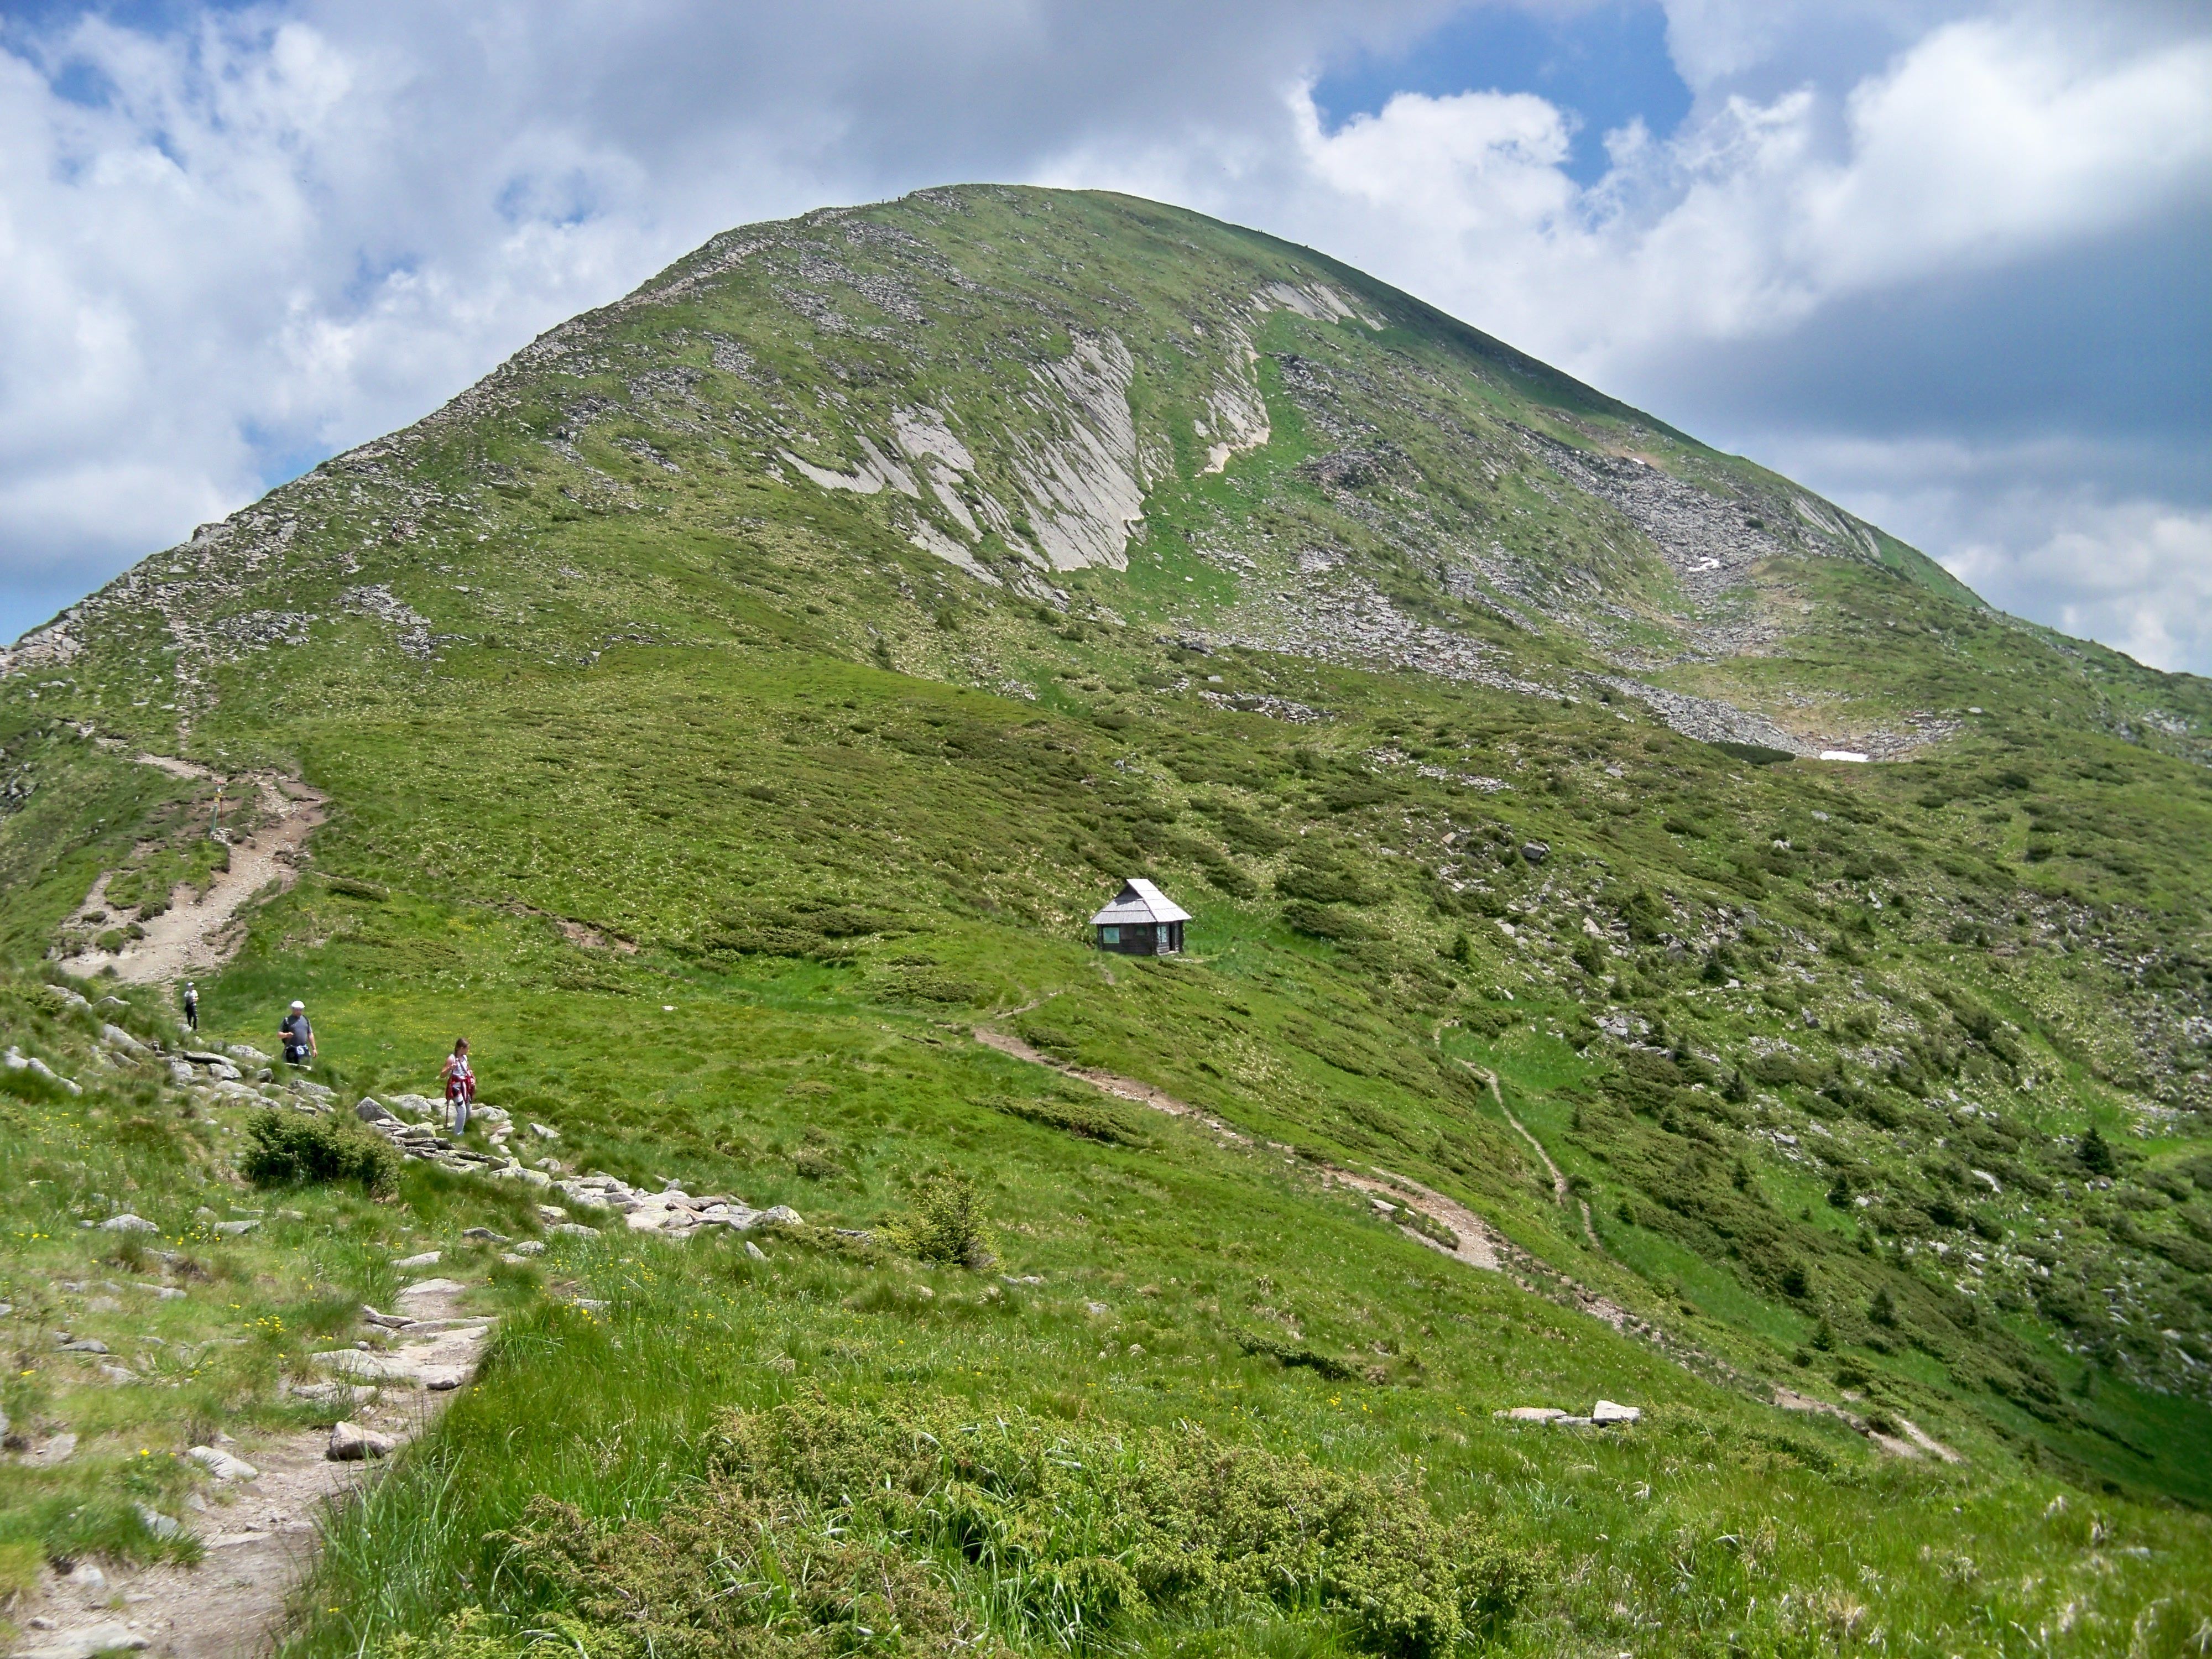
[{"x": 1079, "y": 478}]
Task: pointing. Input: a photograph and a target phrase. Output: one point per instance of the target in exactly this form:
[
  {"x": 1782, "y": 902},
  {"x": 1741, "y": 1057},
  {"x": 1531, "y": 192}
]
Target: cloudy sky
[{"x": 1945, "y": 260}]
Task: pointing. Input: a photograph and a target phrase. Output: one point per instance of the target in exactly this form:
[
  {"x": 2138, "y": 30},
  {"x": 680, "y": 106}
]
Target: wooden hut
[{"x": 1141, "y": 922}]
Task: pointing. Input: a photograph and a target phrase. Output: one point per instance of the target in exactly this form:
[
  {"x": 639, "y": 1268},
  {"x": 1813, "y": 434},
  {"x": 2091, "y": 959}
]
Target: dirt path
[
  {"x": 1477, "y": 1247},
  {"x": 1562, "y": 1192},
  {"x": 200, "y": 931},
  {"x": 260, "y": 1533},
  {"x": 1481, "y": 1246}
]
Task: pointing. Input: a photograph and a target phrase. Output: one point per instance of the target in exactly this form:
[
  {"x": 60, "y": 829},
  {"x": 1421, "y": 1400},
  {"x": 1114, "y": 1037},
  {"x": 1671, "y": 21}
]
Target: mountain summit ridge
[{"x": 1650, "y": 548}]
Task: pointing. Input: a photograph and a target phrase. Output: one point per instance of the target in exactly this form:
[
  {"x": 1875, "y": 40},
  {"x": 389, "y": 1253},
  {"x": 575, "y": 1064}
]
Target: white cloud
[
  {"x": 2030, "y": 527},
  {"x": 2135, "y": 575},
  {"x": 1985, "y": 141}
]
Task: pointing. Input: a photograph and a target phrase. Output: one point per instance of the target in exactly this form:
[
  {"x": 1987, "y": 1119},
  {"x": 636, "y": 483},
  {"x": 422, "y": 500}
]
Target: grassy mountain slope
[{"x": 748, "y": 690}]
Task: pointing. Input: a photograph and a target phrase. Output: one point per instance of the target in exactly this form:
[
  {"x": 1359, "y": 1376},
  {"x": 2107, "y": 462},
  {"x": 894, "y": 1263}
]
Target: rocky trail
[
  {"x": 1475, "y": 1244},
  {"x": 201, "y": 930},
  {"x": 262, "y": 1503}
]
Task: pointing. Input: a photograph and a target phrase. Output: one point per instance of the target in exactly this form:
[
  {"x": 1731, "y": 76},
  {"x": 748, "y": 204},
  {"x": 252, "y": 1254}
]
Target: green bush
[
  {"x": 947, "y": 1224},
  {"x": 908, "y": 1523},
  {"x": 1095, "y": 1118},
  {"x": 290, "y": 1148}
]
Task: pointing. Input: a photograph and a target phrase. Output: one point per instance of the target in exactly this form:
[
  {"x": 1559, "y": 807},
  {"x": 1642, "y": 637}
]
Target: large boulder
[
  {"x": 221, "y": 1465},
  {"x": 352, "y": 1443},
  {"x": 1606, "y": 1412}
]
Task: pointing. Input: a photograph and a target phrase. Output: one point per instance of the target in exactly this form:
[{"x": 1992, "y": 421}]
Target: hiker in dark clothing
[
  {"x": 191, "y": 1007},
  {"x": 298, "y": 1036}
]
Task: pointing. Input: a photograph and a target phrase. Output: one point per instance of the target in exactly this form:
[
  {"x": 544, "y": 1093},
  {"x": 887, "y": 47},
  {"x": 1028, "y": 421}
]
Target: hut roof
[{"x": 1140, "y": 902}]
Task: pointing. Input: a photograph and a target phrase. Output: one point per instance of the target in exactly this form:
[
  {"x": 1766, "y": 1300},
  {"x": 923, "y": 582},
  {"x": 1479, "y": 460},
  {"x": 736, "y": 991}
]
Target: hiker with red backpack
[{"x": 460, "y": 1085}]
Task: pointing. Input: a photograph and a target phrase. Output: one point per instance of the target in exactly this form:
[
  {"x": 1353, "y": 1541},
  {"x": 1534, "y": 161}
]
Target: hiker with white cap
[
  {"x": 298, "y": 1036},
  {"x": 192, "y": 1007}
]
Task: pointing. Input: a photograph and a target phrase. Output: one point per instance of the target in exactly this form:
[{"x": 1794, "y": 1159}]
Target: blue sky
[
  {"x": 1607, "y": 64},
  {"x": 1940, "y": 259}
]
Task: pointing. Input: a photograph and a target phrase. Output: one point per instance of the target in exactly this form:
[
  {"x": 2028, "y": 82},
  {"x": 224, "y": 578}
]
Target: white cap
[{"x": 299, "y": 1007}]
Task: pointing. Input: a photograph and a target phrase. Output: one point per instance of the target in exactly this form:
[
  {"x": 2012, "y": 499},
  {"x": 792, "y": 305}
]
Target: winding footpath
[{"x": 1476, "y": 1243}]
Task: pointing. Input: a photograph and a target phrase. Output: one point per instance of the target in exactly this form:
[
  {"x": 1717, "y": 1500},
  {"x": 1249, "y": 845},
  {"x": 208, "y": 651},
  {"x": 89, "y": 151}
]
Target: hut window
[{"x": 1109, "y": 936}]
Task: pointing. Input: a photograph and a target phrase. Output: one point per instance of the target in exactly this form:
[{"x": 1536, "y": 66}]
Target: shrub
[
  {"x": 1324, "y": 921},
  {"x": 1292, "y": 1354},
  {"x": 292, "y": 1148},
  {"x": 2096, "y": 1153},
  {"x": 947, "y": 1224},
  {"x": 1095, "y": 1118},
  {"x": 833, "y": 1522}
]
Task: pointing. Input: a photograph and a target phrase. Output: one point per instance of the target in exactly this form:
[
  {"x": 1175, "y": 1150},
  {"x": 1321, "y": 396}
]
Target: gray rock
[
  {"x": 1571, "y": 1422},
  {"x": 573, "y": 1230},
  {"x": 359, "y": 1367},
  {"x": 368, "y": 1111},
  {"x": 108, "y": 1637},
  {"x": 161, "y": 1525},
  {"x": 127, "y": 1223},
  {"x": 345, "y": 1396},
  {"x": 235, "y": 1228},
  {"x": 485, "y": 1235},
  {"x": 781, "y": 1216},
  {"x": 390, "y": 1321},
  {"x": 544, "y": 1131},
  {"x": 755, "y": 1251},
  {"x": 118, "y": 1373},
  {"x": 431, "y": 1287},
  {"x": 84, "y": 1345},
  {"x": 408, "y": 1264},
  {"x": 116, "y": 1037},
  {"x": 1606, "y": 1412},
  {"x": 222, "y": 1464},
  {"x": 1534, "y": 851},
  {"x": 530, "y": 1246},
  {"x": 67, "y": 999},
  {"x": 1534, "y": 1414},
  {"x": 352, "y": 1443}
]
